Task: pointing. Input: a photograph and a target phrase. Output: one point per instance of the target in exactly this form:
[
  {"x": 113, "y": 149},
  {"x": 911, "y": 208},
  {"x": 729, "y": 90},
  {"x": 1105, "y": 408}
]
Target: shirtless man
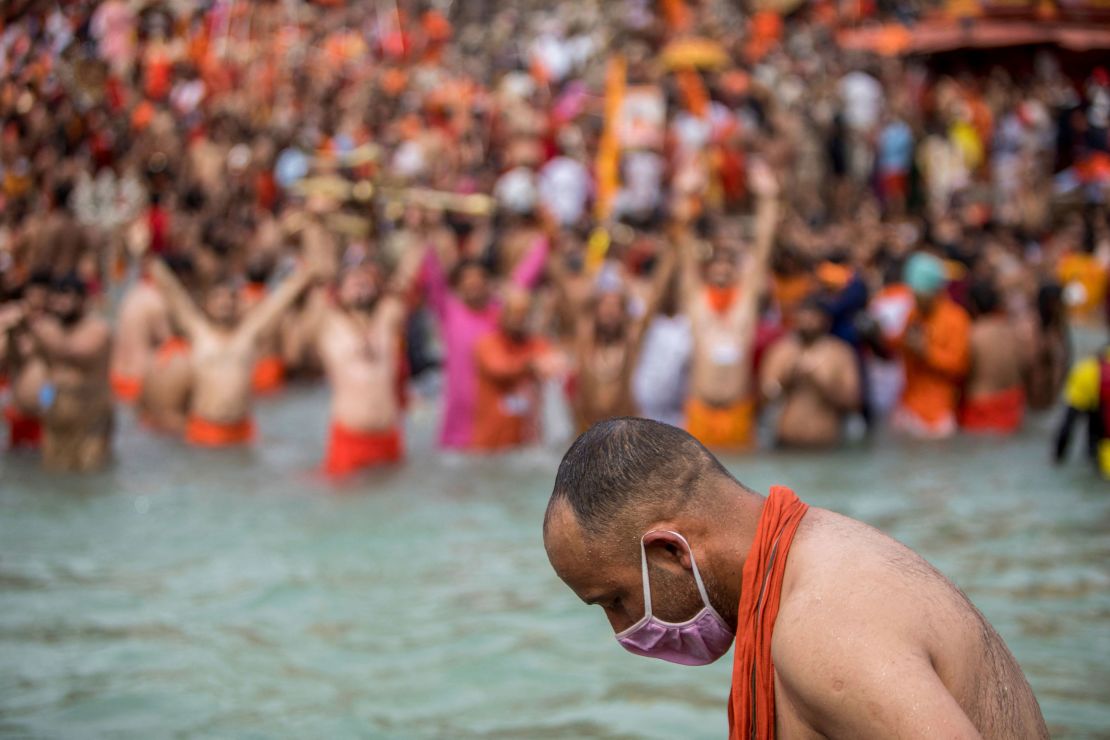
[
  {"x": 815, "y": 376},
  {"x": 994, "y": 391},
  {"x": 163, "y": 403},
  {"x": 223, "y": 350},
  {"x": 142, "y": 324},
  {"x": 76, "y": 400},
  {"x": 607, "y": 345},
  {"x": 60, "y": 242},
  {"x": 840, "y": 631},
  {"x": 360, "y": 342},
  {"x": 723, "y": 316},
  {"x": 23, "y": 366}
]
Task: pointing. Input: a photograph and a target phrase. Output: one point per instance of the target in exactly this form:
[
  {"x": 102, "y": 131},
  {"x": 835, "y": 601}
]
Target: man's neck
[{"x": 738, "y": 523}]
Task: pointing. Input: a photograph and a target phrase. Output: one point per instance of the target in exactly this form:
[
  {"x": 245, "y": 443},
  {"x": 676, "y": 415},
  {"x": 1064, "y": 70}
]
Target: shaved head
[{"x": 623, "y": 470}]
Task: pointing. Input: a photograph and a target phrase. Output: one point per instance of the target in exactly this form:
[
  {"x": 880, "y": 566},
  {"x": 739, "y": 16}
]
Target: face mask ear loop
[
  {"x": 693, "y": 566},
  {"x": 647, "y": 585}
]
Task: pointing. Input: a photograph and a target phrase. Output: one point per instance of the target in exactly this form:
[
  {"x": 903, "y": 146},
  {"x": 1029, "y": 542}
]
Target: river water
[{"x": 189, "y": 593}]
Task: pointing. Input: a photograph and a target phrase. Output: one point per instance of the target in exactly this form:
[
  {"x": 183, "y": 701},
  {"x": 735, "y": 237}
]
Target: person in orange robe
[
  {"x": 837, "y": 629},
  {"x": 936, "y": 349},
  {"x": 509, "y": 363}
]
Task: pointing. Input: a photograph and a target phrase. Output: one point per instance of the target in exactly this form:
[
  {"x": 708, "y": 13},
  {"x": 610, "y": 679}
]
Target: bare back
[
  {"x": 141, "y": 325},
  {"x": 998, "y": 360},
  {"x": 870, "y": 635}
]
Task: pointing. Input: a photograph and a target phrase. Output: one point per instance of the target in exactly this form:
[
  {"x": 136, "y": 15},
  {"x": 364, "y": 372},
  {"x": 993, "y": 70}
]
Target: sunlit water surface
[{"x": 235, "y": 593}]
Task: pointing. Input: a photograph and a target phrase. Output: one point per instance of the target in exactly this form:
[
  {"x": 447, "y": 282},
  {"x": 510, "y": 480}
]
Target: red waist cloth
[
  {"x": 268, "y": 376},
  {"x": 23, "y": 430},
  {"x": 204, "y": 433},
  {"x": 350, "y": 450},
  {"x": 1000, "y": 413}
]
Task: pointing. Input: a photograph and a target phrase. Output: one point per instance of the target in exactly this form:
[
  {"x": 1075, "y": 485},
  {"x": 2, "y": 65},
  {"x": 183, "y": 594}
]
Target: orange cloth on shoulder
[
  {"x": 1001, "y": 412},
  {"x": 751, "y": 703},
  {"x": 350, "y": 450},
  {"x": 728, "y": 428},
  {"x": 126, "y": 388},
  {"x": 268, "y": 375},
  {"x": 720, "y": 299},
  {"x": 204, "y": 433},
  {"x": 23, "y": 430},
  {"x": 171, "y": 348}
]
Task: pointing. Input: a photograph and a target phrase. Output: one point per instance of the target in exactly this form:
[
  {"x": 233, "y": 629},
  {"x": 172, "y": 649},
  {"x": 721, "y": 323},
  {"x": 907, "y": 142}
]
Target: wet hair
[
  {"x": 40, "y": 279},
  {"x": 1050, "y": 304},
  {"x": 69, "y": 283},
  {"x": 984, "y": 297},
  {"x": 61, "y": 193},
  {"x": 625, "y": 464},
  {"x": 181, "y": 265}
]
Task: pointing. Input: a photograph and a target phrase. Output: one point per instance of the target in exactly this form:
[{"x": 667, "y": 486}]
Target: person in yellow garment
[{"x": 1087, "y": 394}]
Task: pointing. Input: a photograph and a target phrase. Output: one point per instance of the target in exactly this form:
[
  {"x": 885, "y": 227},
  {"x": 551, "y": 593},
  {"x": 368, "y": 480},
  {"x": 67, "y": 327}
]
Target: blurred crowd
[{"x": 682, "y": 210}]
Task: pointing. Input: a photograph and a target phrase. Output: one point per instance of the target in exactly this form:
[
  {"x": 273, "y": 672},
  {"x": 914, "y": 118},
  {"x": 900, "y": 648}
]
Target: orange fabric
[
  {"x": 1083, "y": 270},
  {"x": 268, "y": 375},
  {"x": 126, "y": 387},
  {"x": 350, "y": 450},
  {"x": 1000, "y": 412},
  {"x": 833, "y": 275},
  {"x": 204, "y": 433},
  {"x": 23, "y": 430},
  {"x": 676, "y": 15},
  {"x": 171, "y": 348},
  {"x": 694, "y": 94},
  {"x": 253, "y": 292},
  {"x": 508, "y": 394},
  {"x": 730, "y": 428},
  {"x": 751, "y": 703},
  {"x": 933, "y": 381},
  {"x": 789, "y": 291},
  {"x": 720, "y": 299}
]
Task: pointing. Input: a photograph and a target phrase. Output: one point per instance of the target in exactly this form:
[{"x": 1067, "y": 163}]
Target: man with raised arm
[
  {"x": 839, "y": 631},
  {"x": 223, "y": 351},
  {"x": 360, "y": 341},
  {"x": 724, "y": 313}
]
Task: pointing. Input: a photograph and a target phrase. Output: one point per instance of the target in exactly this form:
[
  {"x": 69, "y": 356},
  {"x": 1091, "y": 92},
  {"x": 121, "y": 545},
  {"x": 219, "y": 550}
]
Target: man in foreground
[{"x": 839, "y": 630}]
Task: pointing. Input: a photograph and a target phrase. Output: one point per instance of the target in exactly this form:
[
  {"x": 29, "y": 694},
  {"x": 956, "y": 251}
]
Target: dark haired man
[
  {"x": 839, "y": 630},
  {"x": 994, "y": 392},
  {"x": 816, "y": 377},
  {"x": 76, "y": 399}
]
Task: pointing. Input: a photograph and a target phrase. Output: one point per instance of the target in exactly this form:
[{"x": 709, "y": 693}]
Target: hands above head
[{"x": 764, "y": 184}]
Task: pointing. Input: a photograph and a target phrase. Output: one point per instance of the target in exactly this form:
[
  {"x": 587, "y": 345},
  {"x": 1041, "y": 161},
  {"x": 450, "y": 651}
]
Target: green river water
[{"x": 188, "y": 593}]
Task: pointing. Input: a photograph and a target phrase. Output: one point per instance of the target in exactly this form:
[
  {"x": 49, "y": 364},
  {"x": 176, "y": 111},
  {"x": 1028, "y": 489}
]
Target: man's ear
[{"x": 667, "y": 549}]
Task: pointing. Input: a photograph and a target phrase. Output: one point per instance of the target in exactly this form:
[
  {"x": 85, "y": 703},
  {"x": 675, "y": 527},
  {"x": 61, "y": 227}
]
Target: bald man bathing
[{"x": 840, "y": 631}]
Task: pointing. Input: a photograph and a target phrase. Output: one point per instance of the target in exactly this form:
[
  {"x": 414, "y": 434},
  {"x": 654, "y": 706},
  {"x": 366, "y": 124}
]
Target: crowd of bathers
[{"x": 677, "y": 210}]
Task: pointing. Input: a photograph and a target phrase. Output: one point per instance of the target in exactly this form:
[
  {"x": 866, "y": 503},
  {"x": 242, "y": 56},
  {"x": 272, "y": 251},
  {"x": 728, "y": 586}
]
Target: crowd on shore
[{"x": 669, "y": 210}]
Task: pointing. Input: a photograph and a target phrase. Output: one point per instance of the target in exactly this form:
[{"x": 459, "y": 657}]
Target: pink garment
[{"x": 460, "y": 328}]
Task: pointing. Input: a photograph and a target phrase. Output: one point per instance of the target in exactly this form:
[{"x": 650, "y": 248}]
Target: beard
[
  {"x": 364, "y": 303},
  {"x": 674, "y": 598},
  {"x": 70, "y": 318}
]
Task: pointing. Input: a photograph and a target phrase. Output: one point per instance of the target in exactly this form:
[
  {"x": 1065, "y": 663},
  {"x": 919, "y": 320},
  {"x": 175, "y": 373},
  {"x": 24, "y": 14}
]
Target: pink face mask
[{"x": 700, "y": 640}]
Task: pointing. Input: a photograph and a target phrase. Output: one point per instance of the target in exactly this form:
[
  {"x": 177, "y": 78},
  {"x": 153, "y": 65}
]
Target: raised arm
[
  {"x": 84, "y": 348},
  {"x": 433, "y": 282},
  {"x": 767, "y": 212},
  {"x": 528, "y": 271},
  {"x": 184, "y": 311},
  {"x": 660, "y": 283},
  {"x": 264, "y": 315}
]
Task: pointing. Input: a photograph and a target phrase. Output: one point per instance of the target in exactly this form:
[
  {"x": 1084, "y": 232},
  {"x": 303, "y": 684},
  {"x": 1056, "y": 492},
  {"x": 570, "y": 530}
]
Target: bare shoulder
[
  {"x": 862, "y": 614},
  {"x": 851, "y": 567},
  {"x": 837, "y": 350}
]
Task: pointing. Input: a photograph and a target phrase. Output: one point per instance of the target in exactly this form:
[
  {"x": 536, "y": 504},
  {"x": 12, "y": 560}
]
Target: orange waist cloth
[
  {"x": 268, "y": 376},
  {"x": 204, "y": 433},
  {"x": 171, "y": 348},
  {"x": 1000, "y": 412},
  {"x": 23, "y": 430},
  {"x": 724, "y": 428},
  {"x": 350, "y": 450},
  {"x": 126, "y": 388},
  {"x": 751, "y": 703}
]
